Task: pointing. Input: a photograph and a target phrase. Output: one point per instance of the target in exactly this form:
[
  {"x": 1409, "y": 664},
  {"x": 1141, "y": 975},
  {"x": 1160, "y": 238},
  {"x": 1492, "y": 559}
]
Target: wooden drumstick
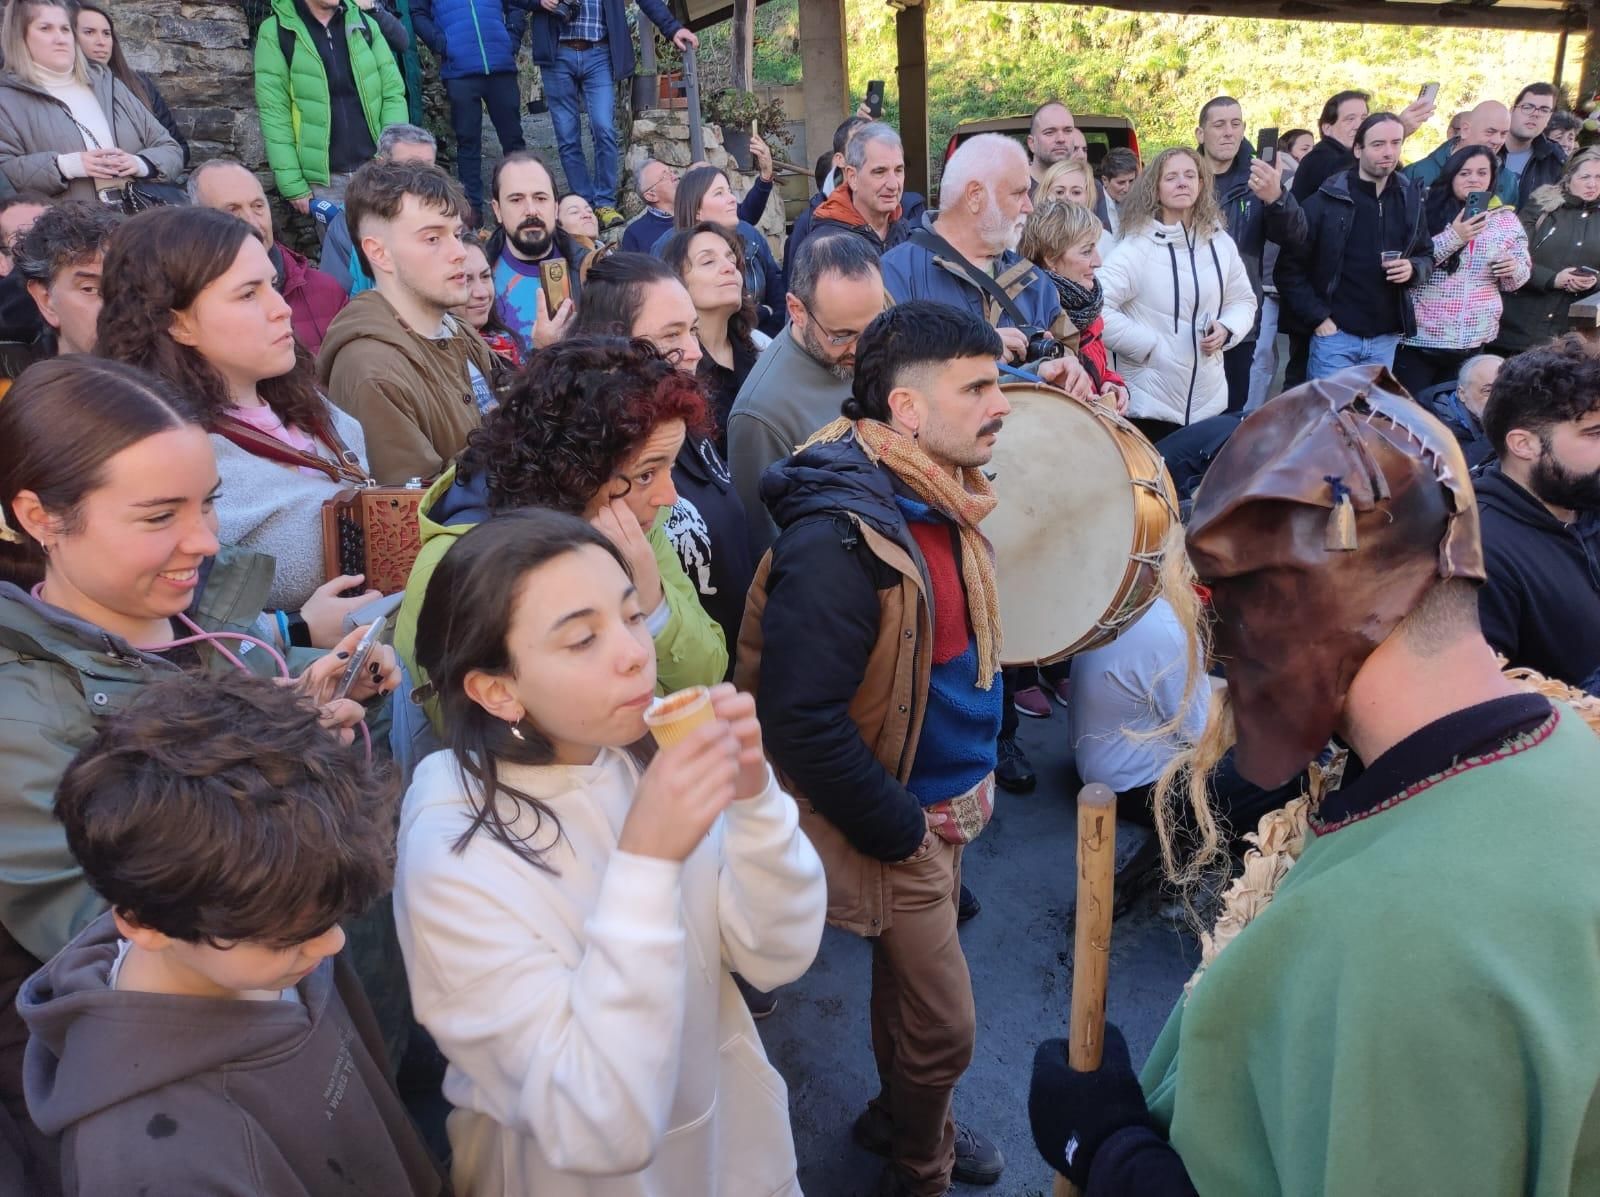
[{"x": 1091, "y": 947}]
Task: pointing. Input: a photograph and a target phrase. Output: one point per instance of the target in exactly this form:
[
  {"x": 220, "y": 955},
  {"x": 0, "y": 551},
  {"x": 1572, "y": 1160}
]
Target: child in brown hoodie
[{"x": 202, "y": 1036}]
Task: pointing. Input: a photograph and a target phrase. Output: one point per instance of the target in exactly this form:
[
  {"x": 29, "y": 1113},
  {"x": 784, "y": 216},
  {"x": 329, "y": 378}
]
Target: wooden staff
[{"x": 1091, "y": 947}]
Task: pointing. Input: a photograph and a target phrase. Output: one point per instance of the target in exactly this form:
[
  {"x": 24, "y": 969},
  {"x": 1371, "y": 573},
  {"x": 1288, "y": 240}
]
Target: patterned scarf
[
  {"x": 965, "y": 503},
  {"x": 1080, "y": 303}
]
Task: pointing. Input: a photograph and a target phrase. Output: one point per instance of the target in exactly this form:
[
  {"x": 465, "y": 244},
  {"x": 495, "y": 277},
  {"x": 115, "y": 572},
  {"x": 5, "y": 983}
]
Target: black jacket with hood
[
  {"x": 1547, "y": 162},
  {"x": 160, "y": 1094},
  {"x": 1307, "y": 275},
  {"x": 1252, "y": 223},
  {"x": 1541, "y": 604},
  {"x": 824, "y": 631}
]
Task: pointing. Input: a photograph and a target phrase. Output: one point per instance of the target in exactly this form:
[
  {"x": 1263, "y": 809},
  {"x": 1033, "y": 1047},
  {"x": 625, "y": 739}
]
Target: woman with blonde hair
[
  {"x": 1175, "y": 295},
  {"x": 70, "y": 129},
  {"x": 1073, "y": 182}
]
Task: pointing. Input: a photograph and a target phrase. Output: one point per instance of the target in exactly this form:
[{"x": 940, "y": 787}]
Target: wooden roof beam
[{"x": 1379, "y": 12}]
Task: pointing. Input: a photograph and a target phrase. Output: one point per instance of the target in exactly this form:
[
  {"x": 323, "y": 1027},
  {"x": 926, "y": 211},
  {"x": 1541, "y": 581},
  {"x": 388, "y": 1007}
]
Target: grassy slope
[{"x": 990, "y": 59}]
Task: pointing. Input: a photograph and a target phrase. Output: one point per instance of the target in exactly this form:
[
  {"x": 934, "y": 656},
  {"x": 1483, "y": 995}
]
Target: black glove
[{"x": 1073, "y": 1113}]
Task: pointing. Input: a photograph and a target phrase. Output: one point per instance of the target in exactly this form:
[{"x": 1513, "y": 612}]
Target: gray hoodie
[{"x": 160, "y": 1094}]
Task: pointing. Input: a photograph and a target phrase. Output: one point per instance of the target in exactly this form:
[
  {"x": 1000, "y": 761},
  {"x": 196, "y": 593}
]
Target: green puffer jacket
[
  {"x": 58, "y": 676},
  {"x": 292, "y": 98},
  {"x": 690, "y": 647}
]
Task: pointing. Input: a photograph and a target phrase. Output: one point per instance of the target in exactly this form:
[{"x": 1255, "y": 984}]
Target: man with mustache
[
  {"x": 524, "y": 203},
  {"x": 1349, "y": 282},
  {"x": 1539, "y": 504},
  {"x": 871, "y": 640}
]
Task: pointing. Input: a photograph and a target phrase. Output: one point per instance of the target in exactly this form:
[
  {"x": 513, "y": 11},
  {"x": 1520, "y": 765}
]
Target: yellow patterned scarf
[{"x": 966, "y": 502}]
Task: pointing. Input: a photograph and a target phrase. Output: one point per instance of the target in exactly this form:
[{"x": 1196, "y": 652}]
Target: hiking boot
[
  {"x": 761, "y": 1005},
  {"x": 968, "y": 907},
  {"x": 1012, "y": 770},
  {"x": 1032, "y": 702},
  {"x": 978, "y": 1161},
  {"x": 609, "y": 217}
]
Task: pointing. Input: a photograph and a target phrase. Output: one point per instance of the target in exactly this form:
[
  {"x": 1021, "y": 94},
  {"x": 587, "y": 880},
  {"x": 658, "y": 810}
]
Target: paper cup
[{"x": 672, "y": 718}]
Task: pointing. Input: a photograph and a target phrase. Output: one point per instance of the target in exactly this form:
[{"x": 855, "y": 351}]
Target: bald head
[
  {"x": 1487, "y": 124},
  {"x": 1050, "y": 136}
]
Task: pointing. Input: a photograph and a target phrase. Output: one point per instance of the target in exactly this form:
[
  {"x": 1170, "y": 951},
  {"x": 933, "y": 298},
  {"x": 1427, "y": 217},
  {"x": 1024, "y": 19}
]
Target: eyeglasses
[
  {"x": 1535, "y": 109},
  {"x": 835, "y": 340}
]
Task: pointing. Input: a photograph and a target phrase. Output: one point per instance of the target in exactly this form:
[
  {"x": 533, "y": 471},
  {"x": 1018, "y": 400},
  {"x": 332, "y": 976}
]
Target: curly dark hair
[
  {"x": 1537, "y": 390},
  {"x": 158, "y": 263},
  {"x": 576, "y": 413},
  {"x": 218, "y": 810},
  {"x": 675, "y": 253},
  {"x": 62, "y": 238}
]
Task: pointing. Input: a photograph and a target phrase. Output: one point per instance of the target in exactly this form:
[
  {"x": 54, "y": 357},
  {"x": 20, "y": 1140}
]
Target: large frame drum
[{"x": 1085, "y": 503}]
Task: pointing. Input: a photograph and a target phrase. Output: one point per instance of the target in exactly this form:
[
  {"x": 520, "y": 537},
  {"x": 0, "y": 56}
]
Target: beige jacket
[{"x": 35, "y": 128}]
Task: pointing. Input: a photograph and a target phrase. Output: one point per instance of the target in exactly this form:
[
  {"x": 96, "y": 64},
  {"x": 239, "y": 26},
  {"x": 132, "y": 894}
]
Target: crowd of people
[{"x": 254, "y": 861}]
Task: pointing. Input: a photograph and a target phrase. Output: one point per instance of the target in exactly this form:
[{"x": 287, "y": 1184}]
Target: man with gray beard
[{"x": 798, "y": 383}]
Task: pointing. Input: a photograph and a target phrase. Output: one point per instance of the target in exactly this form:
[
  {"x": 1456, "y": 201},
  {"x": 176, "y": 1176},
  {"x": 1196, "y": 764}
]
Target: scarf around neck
[
  {"x": 1081, "y": 304},
  {"x": 965, "y": 503}
]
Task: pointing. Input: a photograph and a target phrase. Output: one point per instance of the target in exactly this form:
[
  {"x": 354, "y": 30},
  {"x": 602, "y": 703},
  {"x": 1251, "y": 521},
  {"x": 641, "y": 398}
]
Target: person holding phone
[
  {"x": 1480, "y": 252},
  {"x": 530, "y": 237},
  {"x": 1560, "y": 221}
]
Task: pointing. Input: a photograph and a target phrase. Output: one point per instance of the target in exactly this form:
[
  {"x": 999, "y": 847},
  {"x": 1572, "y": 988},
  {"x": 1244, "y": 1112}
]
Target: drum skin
[{"x": 1085, "y": 503}]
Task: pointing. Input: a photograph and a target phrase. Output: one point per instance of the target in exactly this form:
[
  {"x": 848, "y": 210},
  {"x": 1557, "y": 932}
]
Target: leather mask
[{"x": 1321, "y": 524}]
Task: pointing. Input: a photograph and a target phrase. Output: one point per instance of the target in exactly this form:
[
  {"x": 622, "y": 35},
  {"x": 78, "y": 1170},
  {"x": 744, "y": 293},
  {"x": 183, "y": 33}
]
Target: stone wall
[
  {"x": 201, "y": 58},
  {"x": 663, "y": 134}
]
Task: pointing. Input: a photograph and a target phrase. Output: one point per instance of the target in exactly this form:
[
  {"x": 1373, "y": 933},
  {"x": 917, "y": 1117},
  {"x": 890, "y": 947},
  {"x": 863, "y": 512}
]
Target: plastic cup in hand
[{"x": 672, "y": 718}]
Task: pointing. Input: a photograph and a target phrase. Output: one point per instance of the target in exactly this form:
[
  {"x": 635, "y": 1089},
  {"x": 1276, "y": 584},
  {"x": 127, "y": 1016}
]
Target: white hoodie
[
  {"x": 597, "y": 1045},
  {"x": 1161, "y": 284}
]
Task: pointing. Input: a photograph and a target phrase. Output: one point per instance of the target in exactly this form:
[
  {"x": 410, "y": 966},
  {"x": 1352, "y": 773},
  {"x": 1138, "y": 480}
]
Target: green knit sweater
[{"x": 1417, "y": 1013}]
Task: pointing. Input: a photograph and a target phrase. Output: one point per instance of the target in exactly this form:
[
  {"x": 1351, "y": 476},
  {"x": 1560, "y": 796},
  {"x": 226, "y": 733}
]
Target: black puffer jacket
[
  {"x": 1562, "y": 231},
  {"x": 1546, "y": 164},
  {"x": 1541, "y": 604}
]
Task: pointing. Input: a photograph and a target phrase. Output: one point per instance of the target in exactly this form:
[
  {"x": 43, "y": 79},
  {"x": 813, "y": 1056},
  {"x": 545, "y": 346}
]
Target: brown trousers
[{"x": 923, "y": 1020}]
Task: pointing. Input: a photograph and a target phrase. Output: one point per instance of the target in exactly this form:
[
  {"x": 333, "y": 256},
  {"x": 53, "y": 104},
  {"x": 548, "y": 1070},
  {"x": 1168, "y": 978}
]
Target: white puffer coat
[{"x": 1162, "y": 285}]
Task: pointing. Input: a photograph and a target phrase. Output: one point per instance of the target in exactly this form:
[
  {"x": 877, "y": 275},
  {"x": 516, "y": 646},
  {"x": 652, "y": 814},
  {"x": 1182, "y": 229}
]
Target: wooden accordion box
[{"x": 373, "y": 531}]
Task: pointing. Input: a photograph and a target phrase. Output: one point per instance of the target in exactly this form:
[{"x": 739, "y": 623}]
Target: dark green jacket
[
  {"x": 1562, "y": 232},
  {"x": 292, "y": 97},
  {"x": 58, "y": 676}
]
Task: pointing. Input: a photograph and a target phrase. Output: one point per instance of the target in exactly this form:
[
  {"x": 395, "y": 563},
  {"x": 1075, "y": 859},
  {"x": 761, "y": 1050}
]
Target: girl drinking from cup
[{"x": 568, "y": 916}]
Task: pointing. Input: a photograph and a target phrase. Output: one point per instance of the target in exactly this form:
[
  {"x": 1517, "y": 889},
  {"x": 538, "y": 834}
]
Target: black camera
[
  {"x": 1042, "y": 346},
  {"x": 566, "y": 10}
]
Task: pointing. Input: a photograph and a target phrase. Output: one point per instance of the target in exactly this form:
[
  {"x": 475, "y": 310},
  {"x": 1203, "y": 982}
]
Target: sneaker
[
  {"x": 610, "y": 218},
  {"x": 1012, "y": 770},
  {"x": 978, "y": 1161},
  {"x": 1031, "y": 701},
  {"x": 1061, "y": 691},
  {"x": 968, "y": 906},
  {"x": 761, "y": 1005}
]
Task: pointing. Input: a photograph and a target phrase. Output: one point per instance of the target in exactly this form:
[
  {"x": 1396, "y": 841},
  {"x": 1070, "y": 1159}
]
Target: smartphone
[
  {"x": 875, "y": 98},
  {"x": 1477, "y": 203},
  {"x": 1267, "y": 144},
  {"x": 1429, "y": 92},
  {"x": 553, "y": 280},
  {"x": 358, "y": 659}
]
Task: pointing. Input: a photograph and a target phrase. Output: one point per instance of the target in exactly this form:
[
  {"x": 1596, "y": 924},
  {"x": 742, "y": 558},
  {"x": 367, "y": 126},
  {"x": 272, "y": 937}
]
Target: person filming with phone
[
  {"x": 1566, "y": 259},
  {"x": 528, "y": 241},
  {"x": 1480, "y": 251}
]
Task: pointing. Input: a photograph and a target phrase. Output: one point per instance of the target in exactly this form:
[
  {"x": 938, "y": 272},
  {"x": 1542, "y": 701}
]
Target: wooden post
[
  {"x": 1091, "y": 945},
  {"x": 644, "y": 90},
  {"x": 1561, "y": 57},
  {"x": 1589, "y": 80},
  {"x": 691, "y": 95},
  {"x": 911, "y": 42},
  {"x": 824, "y": 71},
  {"x": 744, "y": 44}
]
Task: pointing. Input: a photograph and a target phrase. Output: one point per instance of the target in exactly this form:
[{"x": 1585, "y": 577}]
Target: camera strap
[{"x": 927, "y": 239}]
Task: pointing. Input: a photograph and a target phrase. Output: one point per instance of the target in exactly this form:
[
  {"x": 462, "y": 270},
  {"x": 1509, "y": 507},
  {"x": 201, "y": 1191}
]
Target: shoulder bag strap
[
  {"x": 259, "y": 444},
  {"x": 929, "y": 240}
]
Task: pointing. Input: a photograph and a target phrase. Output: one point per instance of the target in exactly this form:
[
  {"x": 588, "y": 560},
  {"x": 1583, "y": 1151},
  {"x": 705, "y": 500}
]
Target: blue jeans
[
  {"x": 1333, "y": 353},
  {"x": 586, "y": 75},
  {"x": 469, "y": 96}
]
